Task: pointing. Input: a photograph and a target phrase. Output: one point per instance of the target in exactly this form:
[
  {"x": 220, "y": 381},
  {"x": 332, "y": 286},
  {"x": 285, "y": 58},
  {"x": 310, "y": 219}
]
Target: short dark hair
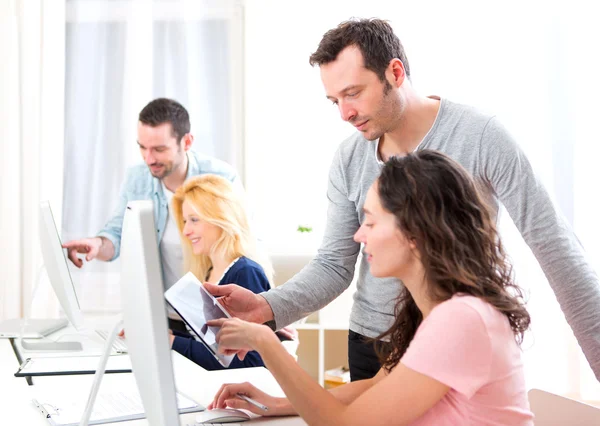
[
  {"x": 374, "y": 38},
  {"x": 164, "y": 110}
]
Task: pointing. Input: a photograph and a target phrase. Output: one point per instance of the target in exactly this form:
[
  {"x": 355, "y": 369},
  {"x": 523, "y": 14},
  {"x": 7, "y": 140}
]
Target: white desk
[{"x": 16, "y": 408}]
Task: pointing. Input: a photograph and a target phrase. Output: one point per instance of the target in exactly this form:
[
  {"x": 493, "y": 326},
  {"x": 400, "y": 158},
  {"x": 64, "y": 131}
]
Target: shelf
[
  {"x": 322, "y": 348},
  {"x": 324, "y": 335}
]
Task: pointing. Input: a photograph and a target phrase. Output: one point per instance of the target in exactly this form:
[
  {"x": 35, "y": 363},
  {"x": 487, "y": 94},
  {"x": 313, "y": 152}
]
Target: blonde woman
[{"x": 218, "y": 247}]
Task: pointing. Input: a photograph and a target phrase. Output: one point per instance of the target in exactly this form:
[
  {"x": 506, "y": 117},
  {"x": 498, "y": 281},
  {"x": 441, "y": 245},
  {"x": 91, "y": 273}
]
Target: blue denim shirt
[{"x": 141, "y": 185}]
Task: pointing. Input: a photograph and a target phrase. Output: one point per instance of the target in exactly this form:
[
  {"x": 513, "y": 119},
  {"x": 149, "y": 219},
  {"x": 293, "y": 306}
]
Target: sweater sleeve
[
  {"x": 113, "y": 228},
  {"x": 331, "y": 271},
  {"x": 547, "y": 234}
]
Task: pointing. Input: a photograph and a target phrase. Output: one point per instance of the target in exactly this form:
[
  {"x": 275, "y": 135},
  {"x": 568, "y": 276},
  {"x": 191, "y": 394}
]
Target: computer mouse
[{"x": 222, "y": 415}]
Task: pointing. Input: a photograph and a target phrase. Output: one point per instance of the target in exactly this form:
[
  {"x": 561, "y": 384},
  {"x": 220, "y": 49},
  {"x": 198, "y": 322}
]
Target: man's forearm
[
  {"x": 106, "y": 251},
  {"x": 324, "y": 279},
  {"x": 266, "y": 313}
]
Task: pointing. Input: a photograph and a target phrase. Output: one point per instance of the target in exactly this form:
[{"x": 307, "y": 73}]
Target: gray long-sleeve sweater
[{"x": 483, "y": 146}]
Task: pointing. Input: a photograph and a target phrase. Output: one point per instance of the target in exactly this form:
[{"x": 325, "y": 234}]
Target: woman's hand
[
  {"x": 226, "y": 397},
  {"x": 239, "y": 337}
]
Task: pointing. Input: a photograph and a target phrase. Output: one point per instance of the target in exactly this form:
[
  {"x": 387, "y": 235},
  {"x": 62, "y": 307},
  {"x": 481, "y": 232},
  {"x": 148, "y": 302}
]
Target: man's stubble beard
[{"x": 389, "y": 112}]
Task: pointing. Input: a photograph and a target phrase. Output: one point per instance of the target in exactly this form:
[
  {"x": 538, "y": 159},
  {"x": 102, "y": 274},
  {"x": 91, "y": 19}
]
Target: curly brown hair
[{"x": 436, "y": 203}]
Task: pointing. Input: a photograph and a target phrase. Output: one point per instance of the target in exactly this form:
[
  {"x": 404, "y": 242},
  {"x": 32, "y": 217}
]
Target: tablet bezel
[{"x": 219, "y": 357}]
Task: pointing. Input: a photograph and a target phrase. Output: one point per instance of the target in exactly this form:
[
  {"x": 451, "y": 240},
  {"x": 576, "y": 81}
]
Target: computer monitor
[
  {"x": 145, "y": 315},
  {"x": 55, "y": 264}
]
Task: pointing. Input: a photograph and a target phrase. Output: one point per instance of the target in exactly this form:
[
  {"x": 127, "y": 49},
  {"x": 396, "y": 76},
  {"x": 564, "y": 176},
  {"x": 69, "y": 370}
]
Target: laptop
[{"x": 34, "y": 329}]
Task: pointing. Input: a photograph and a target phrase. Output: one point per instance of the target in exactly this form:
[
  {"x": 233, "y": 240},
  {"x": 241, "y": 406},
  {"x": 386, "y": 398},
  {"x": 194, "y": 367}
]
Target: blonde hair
[{"x": 214, "y": 200}]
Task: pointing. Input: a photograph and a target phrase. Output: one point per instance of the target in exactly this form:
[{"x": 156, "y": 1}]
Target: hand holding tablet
[{"x": 196, "y": 307}]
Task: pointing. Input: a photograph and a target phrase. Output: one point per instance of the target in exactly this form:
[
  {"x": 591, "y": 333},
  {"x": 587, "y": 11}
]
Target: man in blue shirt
[{"x": 164, "y": 140}]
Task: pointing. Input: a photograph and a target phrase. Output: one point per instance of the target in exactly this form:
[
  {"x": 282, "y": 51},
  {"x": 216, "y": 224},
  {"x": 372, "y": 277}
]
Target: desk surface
[{"x": 15, "y": 395}]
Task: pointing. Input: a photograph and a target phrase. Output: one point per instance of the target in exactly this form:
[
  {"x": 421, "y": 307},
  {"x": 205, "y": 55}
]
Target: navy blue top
[{"x": 246, "y": 273}]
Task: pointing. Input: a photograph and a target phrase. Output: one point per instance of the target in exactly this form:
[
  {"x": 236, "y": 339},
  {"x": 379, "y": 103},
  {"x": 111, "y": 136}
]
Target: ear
[
  {"x": 188, "y": 140},
  {"x": 396, "y": 73},
  {"x": 412, "y": 243}
]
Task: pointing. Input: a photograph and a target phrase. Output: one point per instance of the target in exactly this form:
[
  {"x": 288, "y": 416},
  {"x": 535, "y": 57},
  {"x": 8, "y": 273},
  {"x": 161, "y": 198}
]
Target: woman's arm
[
  {"x": 399, "y": 398},
  {"x": 199, "y": 354},
  {"x": 225, "y": 397},
  {"x": 350, "y": 391}
]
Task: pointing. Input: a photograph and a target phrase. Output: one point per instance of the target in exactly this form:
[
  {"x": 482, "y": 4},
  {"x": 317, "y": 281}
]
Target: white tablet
[{"x": 196, "y": 306}]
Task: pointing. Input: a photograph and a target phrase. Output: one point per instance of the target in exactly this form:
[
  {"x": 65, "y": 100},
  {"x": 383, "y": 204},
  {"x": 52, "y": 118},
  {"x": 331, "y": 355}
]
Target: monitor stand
[
  {"x": 44, "y": 346},
  {"x": 87, "y": 413}
]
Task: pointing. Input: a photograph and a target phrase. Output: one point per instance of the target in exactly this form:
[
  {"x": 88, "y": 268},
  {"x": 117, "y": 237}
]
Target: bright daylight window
[{"x": 119, "y": 56}]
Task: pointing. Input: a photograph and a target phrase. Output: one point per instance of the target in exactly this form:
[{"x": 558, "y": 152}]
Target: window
[{"x": 119, "y": 56}]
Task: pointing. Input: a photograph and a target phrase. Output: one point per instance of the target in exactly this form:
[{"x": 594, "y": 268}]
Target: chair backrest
[
  {"x": 286, "y": 266},
  {"x": 554, "y": 410}
]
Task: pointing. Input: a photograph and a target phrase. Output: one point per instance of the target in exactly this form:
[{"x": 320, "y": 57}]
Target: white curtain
[
  {"x": 31, "y": 142},
  {"x": 119, "y": 56}
]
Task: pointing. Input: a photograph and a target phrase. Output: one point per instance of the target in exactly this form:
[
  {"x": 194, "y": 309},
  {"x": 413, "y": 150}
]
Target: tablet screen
[{"x": 196, "y": 306}]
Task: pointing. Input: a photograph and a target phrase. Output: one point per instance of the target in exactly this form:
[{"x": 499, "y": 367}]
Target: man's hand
[
  {"x": 91, "y": 246},
  {"x": 288, "y": 333},
  {"x": 241, "y": 302},
  {"x": 171, "y": 337}
]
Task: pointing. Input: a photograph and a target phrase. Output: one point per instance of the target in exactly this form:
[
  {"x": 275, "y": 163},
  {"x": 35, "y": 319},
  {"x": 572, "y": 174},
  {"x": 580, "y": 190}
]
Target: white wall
[
  {"x": 291, "y": 130},
  {"x": 459, "y": 50}
]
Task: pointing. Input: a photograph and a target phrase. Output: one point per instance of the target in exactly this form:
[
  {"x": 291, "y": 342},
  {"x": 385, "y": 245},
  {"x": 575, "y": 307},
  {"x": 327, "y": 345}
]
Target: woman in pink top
[{"x": 453, "y": 356}]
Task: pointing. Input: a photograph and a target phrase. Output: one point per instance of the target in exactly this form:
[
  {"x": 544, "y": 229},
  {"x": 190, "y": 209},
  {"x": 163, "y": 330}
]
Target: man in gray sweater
[{"x": 366, "y": 74}]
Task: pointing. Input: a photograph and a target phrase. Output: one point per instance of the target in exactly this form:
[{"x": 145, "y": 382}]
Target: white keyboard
[{"x": 118, "y": 345}]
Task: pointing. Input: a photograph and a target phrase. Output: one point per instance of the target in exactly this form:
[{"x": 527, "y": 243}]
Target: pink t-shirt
[{"x": 469, "y": 346}]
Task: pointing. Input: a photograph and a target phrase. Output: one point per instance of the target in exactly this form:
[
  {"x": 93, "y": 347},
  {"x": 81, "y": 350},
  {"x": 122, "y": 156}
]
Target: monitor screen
[
  {"x": 145, "y": 314},
  {"x": 56, "y": 266}
]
